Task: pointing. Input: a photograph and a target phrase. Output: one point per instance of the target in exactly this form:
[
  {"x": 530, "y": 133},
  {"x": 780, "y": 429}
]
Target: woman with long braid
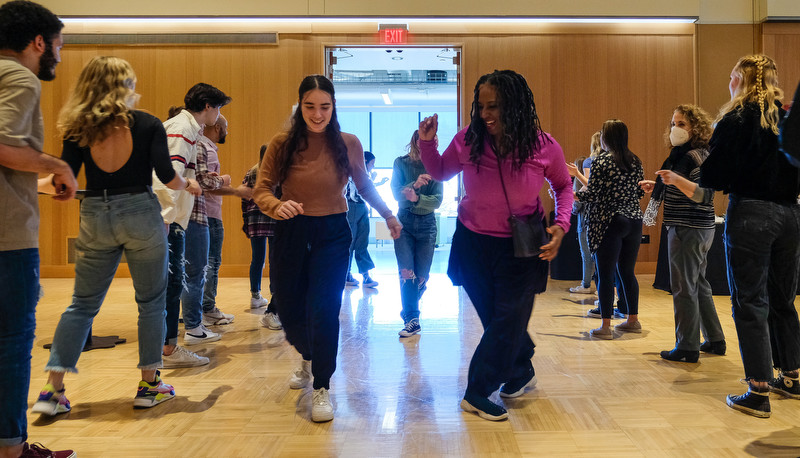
[
  {"x": 503, "y": 148},
  {"x": 762, "y": 232}
]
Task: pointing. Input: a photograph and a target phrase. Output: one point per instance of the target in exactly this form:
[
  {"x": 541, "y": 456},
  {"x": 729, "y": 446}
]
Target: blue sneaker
[
  {"x": 51, "y": 402},
  {"x": 411, "y": 328}
]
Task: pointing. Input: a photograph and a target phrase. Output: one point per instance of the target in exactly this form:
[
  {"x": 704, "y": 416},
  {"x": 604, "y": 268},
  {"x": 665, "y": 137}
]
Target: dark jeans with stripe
[
  {"x": 19, "y": 276},
  {"x": 308, "y": 274}
]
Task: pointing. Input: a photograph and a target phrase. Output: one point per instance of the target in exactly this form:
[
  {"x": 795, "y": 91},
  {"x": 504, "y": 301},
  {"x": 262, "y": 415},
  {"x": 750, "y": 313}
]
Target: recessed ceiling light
[{"x": 397, "y": 58}]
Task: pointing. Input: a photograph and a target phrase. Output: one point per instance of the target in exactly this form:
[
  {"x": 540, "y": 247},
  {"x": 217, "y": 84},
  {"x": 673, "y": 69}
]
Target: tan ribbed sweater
[{"x": 314, "y": 180}]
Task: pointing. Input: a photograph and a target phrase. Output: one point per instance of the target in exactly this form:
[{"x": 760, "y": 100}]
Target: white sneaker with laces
[
  {"x": 271, "y": 321},
  {"x": 580, "y": 289},
  {"x": 257, "y": 301},
  {"x": 321, "y": 407},
  {"x": 216, "y": 318},
  {"x": 182, "y": 357},
  {"x": 301, "y": 376},
  {"x": 200, "y": 334}
]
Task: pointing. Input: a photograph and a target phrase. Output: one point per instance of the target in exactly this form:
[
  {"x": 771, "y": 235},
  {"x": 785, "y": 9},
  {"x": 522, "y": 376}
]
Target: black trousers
[
  {"x": 308, "y": 273},
  {"x": 502, "y": 288}
]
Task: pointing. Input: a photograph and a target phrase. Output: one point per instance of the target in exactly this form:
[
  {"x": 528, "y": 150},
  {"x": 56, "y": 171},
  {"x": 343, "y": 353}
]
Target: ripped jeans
[
  {"x": 196, "y": 254},
  {"x": 414, "y": 251},
  {"x": 176, "y": 239}
]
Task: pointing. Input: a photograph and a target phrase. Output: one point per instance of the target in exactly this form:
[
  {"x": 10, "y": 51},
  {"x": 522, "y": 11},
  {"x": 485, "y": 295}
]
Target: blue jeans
[
  {"x": 414, "y": 252},
  {"x": 176, "y": 239},
  {"x": 130, "y": 224},
  {"x": 258, "y": 249},
  {"x": 196, "y": 254},
  {"x": 358, "y": 220},
  {"x": 762, "y": 247},
  {"x": 19, "y": 275},
  {"x": 617, "y": 254},
  {"x": 308, "y": 271},
  {"x": 586, "y": 254},
  {"x": 216, "y": 233},
  {"x": 691, "y": 292}
]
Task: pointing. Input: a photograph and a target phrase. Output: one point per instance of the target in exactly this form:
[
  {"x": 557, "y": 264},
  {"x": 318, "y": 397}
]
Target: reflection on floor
[{"x": 399, "y": 397}]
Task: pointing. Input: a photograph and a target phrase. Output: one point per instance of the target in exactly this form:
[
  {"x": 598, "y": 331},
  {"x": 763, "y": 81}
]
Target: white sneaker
[
  {"x": 258, "y": 302},
  {"x": 301, "y": 376},
  {"x": 580, "y": 289},
  {"x": 200, "y": 334},
  {"x": 216, "y": 318},
  {"x": 321, "y": 408},
  {"x": 182, "y": 357},
  {"x": 271, "y": 321}
]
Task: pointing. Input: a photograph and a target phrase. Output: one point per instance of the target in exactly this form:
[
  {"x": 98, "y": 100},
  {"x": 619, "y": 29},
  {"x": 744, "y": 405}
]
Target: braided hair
[
  {"x": 522, "y": 132},
  {"x": 758, "y": 83},
  {"x": 297, "y": 136}
]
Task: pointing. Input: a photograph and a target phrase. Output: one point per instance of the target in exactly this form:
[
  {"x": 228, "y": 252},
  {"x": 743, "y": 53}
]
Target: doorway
[{"x": 382, "y": 93}]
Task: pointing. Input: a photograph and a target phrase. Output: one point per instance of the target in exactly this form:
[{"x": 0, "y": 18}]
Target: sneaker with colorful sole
[{"x": 152, "y": 394}]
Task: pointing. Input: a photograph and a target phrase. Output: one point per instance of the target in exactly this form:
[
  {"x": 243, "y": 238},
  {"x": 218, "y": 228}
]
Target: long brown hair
[
  {"x": 614, "y": 135},
  {"x": 297, "y": 136}
]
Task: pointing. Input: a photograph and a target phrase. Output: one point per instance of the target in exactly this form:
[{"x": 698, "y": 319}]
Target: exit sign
[{"x": 393, "y": 34}]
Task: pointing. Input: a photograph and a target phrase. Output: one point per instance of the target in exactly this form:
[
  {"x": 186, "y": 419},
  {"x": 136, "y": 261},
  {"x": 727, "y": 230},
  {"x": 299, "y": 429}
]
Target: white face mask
[{"x": 678, "y": 136}]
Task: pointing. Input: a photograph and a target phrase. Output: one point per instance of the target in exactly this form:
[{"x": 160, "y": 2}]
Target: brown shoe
[
  {"x": 627, "y": 326},
  {"x": 602, "y": 333}
]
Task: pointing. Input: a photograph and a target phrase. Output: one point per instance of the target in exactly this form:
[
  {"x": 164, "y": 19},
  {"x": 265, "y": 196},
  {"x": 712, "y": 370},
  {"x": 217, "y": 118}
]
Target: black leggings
[{"x": 617, "y": 255}]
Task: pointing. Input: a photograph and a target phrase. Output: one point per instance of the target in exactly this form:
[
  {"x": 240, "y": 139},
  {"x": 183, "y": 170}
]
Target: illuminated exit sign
[{"x": 393, "y": 34}]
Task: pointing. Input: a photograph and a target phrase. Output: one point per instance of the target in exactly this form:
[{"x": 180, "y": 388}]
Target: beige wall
[{"x": 579, "y": 80}]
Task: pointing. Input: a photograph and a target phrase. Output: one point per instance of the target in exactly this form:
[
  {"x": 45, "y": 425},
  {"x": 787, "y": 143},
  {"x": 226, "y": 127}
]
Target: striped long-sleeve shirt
[
  {"x": 695, "y": 212},
  {"x": 183, "y": 131}
]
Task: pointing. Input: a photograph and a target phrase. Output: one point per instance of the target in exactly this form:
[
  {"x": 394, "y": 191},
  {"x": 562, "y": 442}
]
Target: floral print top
[{"x": 611, "y": 191}]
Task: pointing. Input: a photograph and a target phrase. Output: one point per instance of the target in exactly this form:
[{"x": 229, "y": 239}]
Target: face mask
[
  {"x": 222, "y": 139},
  {"x": 678, "y": 136}
]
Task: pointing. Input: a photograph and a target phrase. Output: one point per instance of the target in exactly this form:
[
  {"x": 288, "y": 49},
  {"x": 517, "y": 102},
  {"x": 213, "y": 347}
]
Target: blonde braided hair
[{"x": 758, "y": 83}]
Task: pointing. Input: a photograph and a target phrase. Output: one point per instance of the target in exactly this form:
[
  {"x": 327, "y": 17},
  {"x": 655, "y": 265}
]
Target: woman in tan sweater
[{"x": 311, "y": 163}]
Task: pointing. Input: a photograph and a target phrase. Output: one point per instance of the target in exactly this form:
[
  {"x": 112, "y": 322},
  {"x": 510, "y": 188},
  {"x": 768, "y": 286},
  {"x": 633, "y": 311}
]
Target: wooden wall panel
[
  {"x": 578, "y": 80},
  {"x": 782, "y": 43}
]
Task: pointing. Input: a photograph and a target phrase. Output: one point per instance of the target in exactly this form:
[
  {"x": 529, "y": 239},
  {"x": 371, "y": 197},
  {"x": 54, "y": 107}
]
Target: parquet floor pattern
[{"x": 400, "y": 397}]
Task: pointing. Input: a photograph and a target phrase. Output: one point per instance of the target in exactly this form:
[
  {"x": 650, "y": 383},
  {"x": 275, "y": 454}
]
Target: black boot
[
  {"x": 717, "y": 348},
  {"x": 681, "y": 355}
]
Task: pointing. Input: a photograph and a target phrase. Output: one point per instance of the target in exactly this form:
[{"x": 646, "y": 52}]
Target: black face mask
[
  {"x": 47, "y": 63},
  {"x": 222, "y": 139}
]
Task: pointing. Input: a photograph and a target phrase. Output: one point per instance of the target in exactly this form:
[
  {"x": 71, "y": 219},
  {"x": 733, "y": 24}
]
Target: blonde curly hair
[
  {"x": 102, "y": 100},
  {"x": 701, "y": 124},
  {"x": 758, "y": 83}
]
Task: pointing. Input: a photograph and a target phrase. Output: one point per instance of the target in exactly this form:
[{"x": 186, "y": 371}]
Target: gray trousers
[{"x": 691, "y": 292}]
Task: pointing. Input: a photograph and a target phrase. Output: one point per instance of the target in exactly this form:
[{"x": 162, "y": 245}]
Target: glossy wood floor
[{"x": 400, "y": 397}]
